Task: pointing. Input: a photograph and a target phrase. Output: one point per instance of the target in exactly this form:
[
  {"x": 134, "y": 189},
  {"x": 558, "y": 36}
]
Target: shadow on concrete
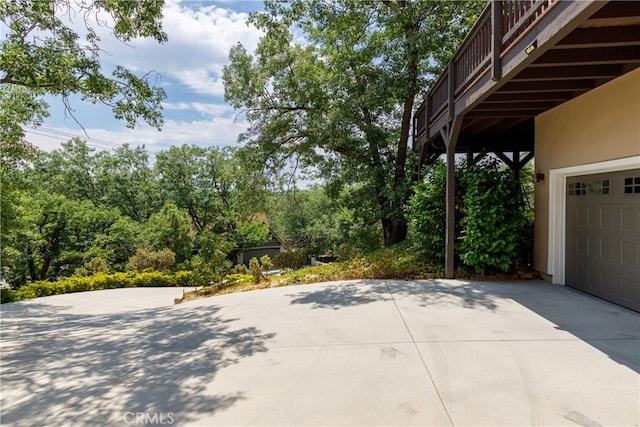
[
  {"x": 107, "y": 369},
  {"x": 343, "y": 295},
  {"x": 612, "y": 329}
]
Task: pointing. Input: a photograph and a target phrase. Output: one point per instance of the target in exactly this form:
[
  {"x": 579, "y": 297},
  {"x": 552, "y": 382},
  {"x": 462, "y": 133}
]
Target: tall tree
[
  {"x": 127, "y": 181},
  {"x": 341, "y": 100},
  {"x": 209, "y": 184}
]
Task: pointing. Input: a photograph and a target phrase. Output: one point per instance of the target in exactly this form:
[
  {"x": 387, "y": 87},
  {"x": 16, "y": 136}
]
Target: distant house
[
  {"x": 558, "y": 80},
  {"x": 273, "y": 247}
]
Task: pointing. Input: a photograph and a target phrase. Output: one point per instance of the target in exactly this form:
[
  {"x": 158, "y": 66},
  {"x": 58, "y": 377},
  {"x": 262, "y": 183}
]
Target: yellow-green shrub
[{"x": 96, "y": 282}]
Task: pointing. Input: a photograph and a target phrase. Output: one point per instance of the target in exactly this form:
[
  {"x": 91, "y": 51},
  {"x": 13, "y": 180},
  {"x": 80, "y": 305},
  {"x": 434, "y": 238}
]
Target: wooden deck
[{"x": 520, "y": 59}]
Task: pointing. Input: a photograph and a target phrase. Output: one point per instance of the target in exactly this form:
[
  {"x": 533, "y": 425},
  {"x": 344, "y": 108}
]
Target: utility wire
[{"x": 65, "y": 136}]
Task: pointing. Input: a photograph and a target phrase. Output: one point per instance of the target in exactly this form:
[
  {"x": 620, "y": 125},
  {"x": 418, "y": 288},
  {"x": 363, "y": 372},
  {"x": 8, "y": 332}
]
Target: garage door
[{"x": 603, "y": 236}]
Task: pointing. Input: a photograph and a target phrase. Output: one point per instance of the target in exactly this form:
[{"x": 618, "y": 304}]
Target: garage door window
[
  {"x": 590, "y": 188},
  {"x": 632, "y": 185}
]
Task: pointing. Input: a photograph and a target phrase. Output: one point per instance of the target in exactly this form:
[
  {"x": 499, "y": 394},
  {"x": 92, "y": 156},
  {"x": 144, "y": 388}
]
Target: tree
[
  {"x": 320, "y": 220},
  {"x": 171, "y": 229},
  {"x": 127, "y": 181},
  {"x": 342, "y": 101},
  {"x": 43, "y": 52}
]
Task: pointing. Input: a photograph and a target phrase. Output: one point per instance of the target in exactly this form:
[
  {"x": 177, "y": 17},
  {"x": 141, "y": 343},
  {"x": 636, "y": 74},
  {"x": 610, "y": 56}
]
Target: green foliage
[
  {"x": 340, "y": 101},
  {"x": 92, "y": 266},
  {"x": 74, "y": 204},
  {"x": 250, "y": 233},
  {"x": 171, "y": 228},
  {"x": 211, "y": 263},
  {"x": 290, "y": 260},
  {"x": 97, "y": 282},
  {"x": 7, "y": 295},
  {"x": 255, "y": 270},
  {"x": 427, "y": 212},
  {"x": 207, "y": 183},
  {"x": 240, "y": 269},
  {"x": 41, "y": 54},
  {"x": 492, "y": 224},
  {"x": 395, "y": 262},
  {"x": 237, "y": 279},
  {"x": 324, "y": 220},
  {"x": 147, "y": 259},
  {"x": 266, "y": 263},
  {"x": 494, "y": 220}
]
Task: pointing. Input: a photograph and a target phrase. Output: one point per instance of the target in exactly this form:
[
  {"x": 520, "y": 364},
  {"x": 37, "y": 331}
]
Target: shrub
[
  {"x": 147, "y": 259},
  {"x": 7, "y": 295},
  {"x": 98, "y": 281},
  {"x": 183, "y": 278},
  {"x": 290, "y": 260},
  {"x": 495, "y": 221},
  {"x": 427, "y": 212},
  {"x": 93, "y": 266},
  {"x": 492, "y": 229},
  {"x": 266, "y": 263},
  {"x": 255, "y": 270},
  {"x": 240, "y": 269}
]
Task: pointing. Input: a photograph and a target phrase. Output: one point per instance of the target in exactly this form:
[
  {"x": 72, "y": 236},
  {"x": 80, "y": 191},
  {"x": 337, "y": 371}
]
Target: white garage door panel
[{"x": 603, "y": 236}]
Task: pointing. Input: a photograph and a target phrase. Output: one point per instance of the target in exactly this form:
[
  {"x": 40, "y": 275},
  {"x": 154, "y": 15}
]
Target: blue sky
[{"x": 189, "y": 66}]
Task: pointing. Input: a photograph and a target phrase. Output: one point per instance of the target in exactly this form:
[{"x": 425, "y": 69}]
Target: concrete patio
[{"x": 433, "y": 352}]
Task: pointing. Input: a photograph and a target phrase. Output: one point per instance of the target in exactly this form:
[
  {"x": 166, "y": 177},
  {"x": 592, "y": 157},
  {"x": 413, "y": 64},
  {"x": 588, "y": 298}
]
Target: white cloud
[
  {"x": 200, "y": 38},
  {"x": 206, "y": 109},
  {"x": 197, "y": 49}
]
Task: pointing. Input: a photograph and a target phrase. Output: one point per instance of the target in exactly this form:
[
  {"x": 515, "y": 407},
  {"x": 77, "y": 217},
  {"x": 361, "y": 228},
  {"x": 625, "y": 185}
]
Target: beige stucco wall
[{"x": 603, "y": 124}]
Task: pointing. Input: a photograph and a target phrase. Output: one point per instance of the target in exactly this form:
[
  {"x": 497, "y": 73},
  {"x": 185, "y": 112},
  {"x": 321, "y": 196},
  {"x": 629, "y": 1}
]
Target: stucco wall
[{"x": 603, "y": 124}]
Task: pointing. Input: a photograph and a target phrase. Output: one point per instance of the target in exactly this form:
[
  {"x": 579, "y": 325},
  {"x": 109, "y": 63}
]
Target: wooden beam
[
  {"x": 513, "y": 98},
  {"x": 589, "y": 56},
  {"x": 507, "y": 161},
  {"x": 569, "y": 72},
  {"x": 515, "y": 106},
  {"x": 550, "y": 86},
  {"x": 602, "y": 37},
  {"x": 523, "y": 161},
  {"x": 616, "y": 9},
  {"x": 503, "y": 114}
]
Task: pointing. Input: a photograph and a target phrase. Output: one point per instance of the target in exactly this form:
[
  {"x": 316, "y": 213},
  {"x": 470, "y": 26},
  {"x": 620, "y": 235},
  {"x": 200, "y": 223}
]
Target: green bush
[
  {"x": 255, "y": 270},
  {"x": 240, "y": 269},
  {"x": 266, "y": 263},
  {"x": 7, "y": 295},
  {"x": 290, "y": 260},
  {"x": 492, "y": 229},
  {"x": 96, "y": 282},
  {"x": 145, "y": 259},
  {"x": 494, "y": 221},
  {"x": 427, "y": 212},
  {"x": 183, "y": 278},
  {"x": 237, "y": 279}
]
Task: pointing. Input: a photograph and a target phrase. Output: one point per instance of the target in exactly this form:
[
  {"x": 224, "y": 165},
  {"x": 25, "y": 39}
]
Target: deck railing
[
  {"x": 505, "y": 21},
  {"x": 473, "y": 56}
]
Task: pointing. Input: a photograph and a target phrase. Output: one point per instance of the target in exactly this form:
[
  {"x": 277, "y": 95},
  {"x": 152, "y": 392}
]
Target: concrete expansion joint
[{"x": 424, "y": 363}]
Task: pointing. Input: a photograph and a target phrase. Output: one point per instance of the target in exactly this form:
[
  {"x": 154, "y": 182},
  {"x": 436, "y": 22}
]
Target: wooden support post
[{"x": 450, "y": 231}]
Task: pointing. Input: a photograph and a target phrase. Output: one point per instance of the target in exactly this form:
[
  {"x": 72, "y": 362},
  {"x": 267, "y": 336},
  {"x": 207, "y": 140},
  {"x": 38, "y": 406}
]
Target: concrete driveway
[{"x": 433, "y": 352}]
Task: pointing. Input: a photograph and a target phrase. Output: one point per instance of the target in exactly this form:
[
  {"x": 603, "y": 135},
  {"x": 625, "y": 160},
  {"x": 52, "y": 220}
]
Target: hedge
[{"x": 96, "y": 282}]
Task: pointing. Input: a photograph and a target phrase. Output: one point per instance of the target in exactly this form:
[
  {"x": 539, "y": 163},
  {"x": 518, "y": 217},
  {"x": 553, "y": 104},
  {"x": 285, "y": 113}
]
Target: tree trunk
[
  {"x": 394, "y": 231},
  {"x": 395, "y": 228}
]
